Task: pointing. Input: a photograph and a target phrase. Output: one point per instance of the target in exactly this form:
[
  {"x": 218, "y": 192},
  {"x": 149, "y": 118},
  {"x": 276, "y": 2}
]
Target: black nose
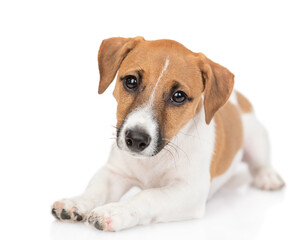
[{"x": 136, "y": 141}]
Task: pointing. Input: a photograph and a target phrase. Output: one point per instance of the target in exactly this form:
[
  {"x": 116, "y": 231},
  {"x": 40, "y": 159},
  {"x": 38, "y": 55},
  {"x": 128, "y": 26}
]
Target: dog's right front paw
[{"x": 68, "y": 210}]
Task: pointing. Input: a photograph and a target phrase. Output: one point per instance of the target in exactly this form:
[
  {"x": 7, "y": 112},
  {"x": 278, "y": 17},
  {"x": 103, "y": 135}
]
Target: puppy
[{"x": 181, "y": 131}]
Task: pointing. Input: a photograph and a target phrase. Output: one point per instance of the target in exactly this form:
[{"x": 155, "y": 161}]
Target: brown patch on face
[
  {"x": 244, "y": 104},
  {"x": 183, "y": 71},
  {"x": 229, "y": 138}
]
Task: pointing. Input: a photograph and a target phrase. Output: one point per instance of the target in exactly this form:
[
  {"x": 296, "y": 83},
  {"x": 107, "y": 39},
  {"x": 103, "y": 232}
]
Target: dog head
[{"x": 159, "y": 88}]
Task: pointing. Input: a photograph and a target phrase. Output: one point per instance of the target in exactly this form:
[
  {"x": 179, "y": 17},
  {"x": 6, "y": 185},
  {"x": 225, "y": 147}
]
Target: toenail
[
  {"x": 78, "y": 216},
  {"x": 64, "y": 215},
  {"x": 54, "y": 213},
  {"x": 98, "y": 226}
]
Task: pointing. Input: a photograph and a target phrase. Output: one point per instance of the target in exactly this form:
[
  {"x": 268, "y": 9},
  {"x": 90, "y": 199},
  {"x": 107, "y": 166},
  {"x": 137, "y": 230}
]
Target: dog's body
[{"x": 182, "y": 130}]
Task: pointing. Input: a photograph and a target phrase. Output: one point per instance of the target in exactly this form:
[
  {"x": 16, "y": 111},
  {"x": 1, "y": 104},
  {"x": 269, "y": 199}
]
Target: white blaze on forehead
[
  {"x": 152, "y": 96},
  {"x": 143, "y": 118}
]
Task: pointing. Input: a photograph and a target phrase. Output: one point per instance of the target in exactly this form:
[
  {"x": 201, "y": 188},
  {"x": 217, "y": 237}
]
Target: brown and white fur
[{"x": 194, "y": 147}]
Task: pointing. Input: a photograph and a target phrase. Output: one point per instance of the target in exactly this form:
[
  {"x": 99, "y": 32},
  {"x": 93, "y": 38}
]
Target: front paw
[
  {"x": 112, "y": 217},
  {"x": 268, "y": 179},
  {"x": 68, "y": 210}
]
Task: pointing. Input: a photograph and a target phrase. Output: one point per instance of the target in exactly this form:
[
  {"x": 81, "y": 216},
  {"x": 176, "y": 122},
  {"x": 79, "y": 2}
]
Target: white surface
[{"x": 55, "y": 129}]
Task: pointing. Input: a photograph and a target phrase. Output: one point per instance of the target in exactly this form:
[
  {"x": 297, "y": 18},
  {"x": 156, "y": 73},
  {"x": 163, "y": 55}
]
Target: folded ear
[
  {"x": 218, "y": 85},
  {"x": 111, "y": 54}
]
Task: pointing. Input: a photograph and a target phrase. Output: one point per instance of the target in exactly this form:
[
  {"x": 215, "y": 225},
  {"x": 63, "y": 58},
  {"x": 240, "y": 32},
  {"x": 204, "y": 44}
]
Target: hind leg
[{"x": 256, "y": 155}]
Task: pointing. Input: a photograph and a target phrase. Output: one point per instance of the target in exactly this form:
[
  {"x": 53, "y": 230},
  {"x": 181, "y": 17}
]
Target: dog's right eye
[{"x": 130, "y": 82}]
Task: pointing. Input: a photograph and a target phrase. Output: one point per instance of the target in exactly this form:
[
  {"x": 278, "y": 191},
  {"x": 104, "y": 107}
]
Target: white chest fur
[{"x": 187, "y": 157}]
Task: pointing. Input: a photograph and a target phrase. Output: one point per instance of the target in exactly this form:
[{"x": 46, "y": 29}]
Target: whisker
[
  {"x": 187, "y": 134},
  {"x": 173, "y": 145},
  {"x": 171, "y": 155}
]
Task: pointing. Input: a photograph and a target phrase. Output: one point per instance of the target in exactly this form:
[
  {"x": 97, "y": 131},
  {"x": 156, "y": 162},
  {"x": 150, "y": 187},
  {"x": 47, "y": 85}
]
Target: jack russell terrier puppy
[{"x": 181, "y": 131}]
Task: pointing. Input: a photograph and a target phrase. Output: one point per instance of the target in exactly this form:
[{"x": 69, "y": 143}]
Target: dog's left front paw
[{"x": 112, "y": 217}]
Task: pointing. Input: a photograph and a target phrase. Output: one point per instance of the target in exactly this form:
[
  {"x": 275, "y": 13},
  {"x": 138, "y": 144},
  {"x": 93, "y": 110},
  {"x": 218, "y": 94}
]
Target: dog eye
[
  {"x": 179, "y": 98},
  {"x": 130, "y": 82}
]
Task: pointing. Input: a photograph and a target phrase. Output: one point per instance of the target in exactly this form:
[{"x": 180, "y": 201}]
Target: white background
[{"x": 55, "y": 130}]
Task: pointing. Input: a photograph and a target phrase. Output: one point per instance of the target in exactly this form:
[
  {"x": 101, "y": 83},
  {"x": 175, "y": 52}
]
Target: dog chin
[{"x": 136, "y": 154}]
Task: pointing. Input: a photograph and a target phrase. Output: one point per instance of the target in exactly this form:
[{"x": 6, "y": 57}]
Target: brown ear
[
  {"x": 111, "y": 54},
  {"x": 218, "y": 85}
]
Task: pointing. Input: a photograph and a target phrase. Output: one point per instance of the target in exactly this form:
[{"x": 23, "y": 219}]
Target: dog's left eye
[
  {"x": 130, "y": 82},
  {"x": 179, "y": 98}
]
